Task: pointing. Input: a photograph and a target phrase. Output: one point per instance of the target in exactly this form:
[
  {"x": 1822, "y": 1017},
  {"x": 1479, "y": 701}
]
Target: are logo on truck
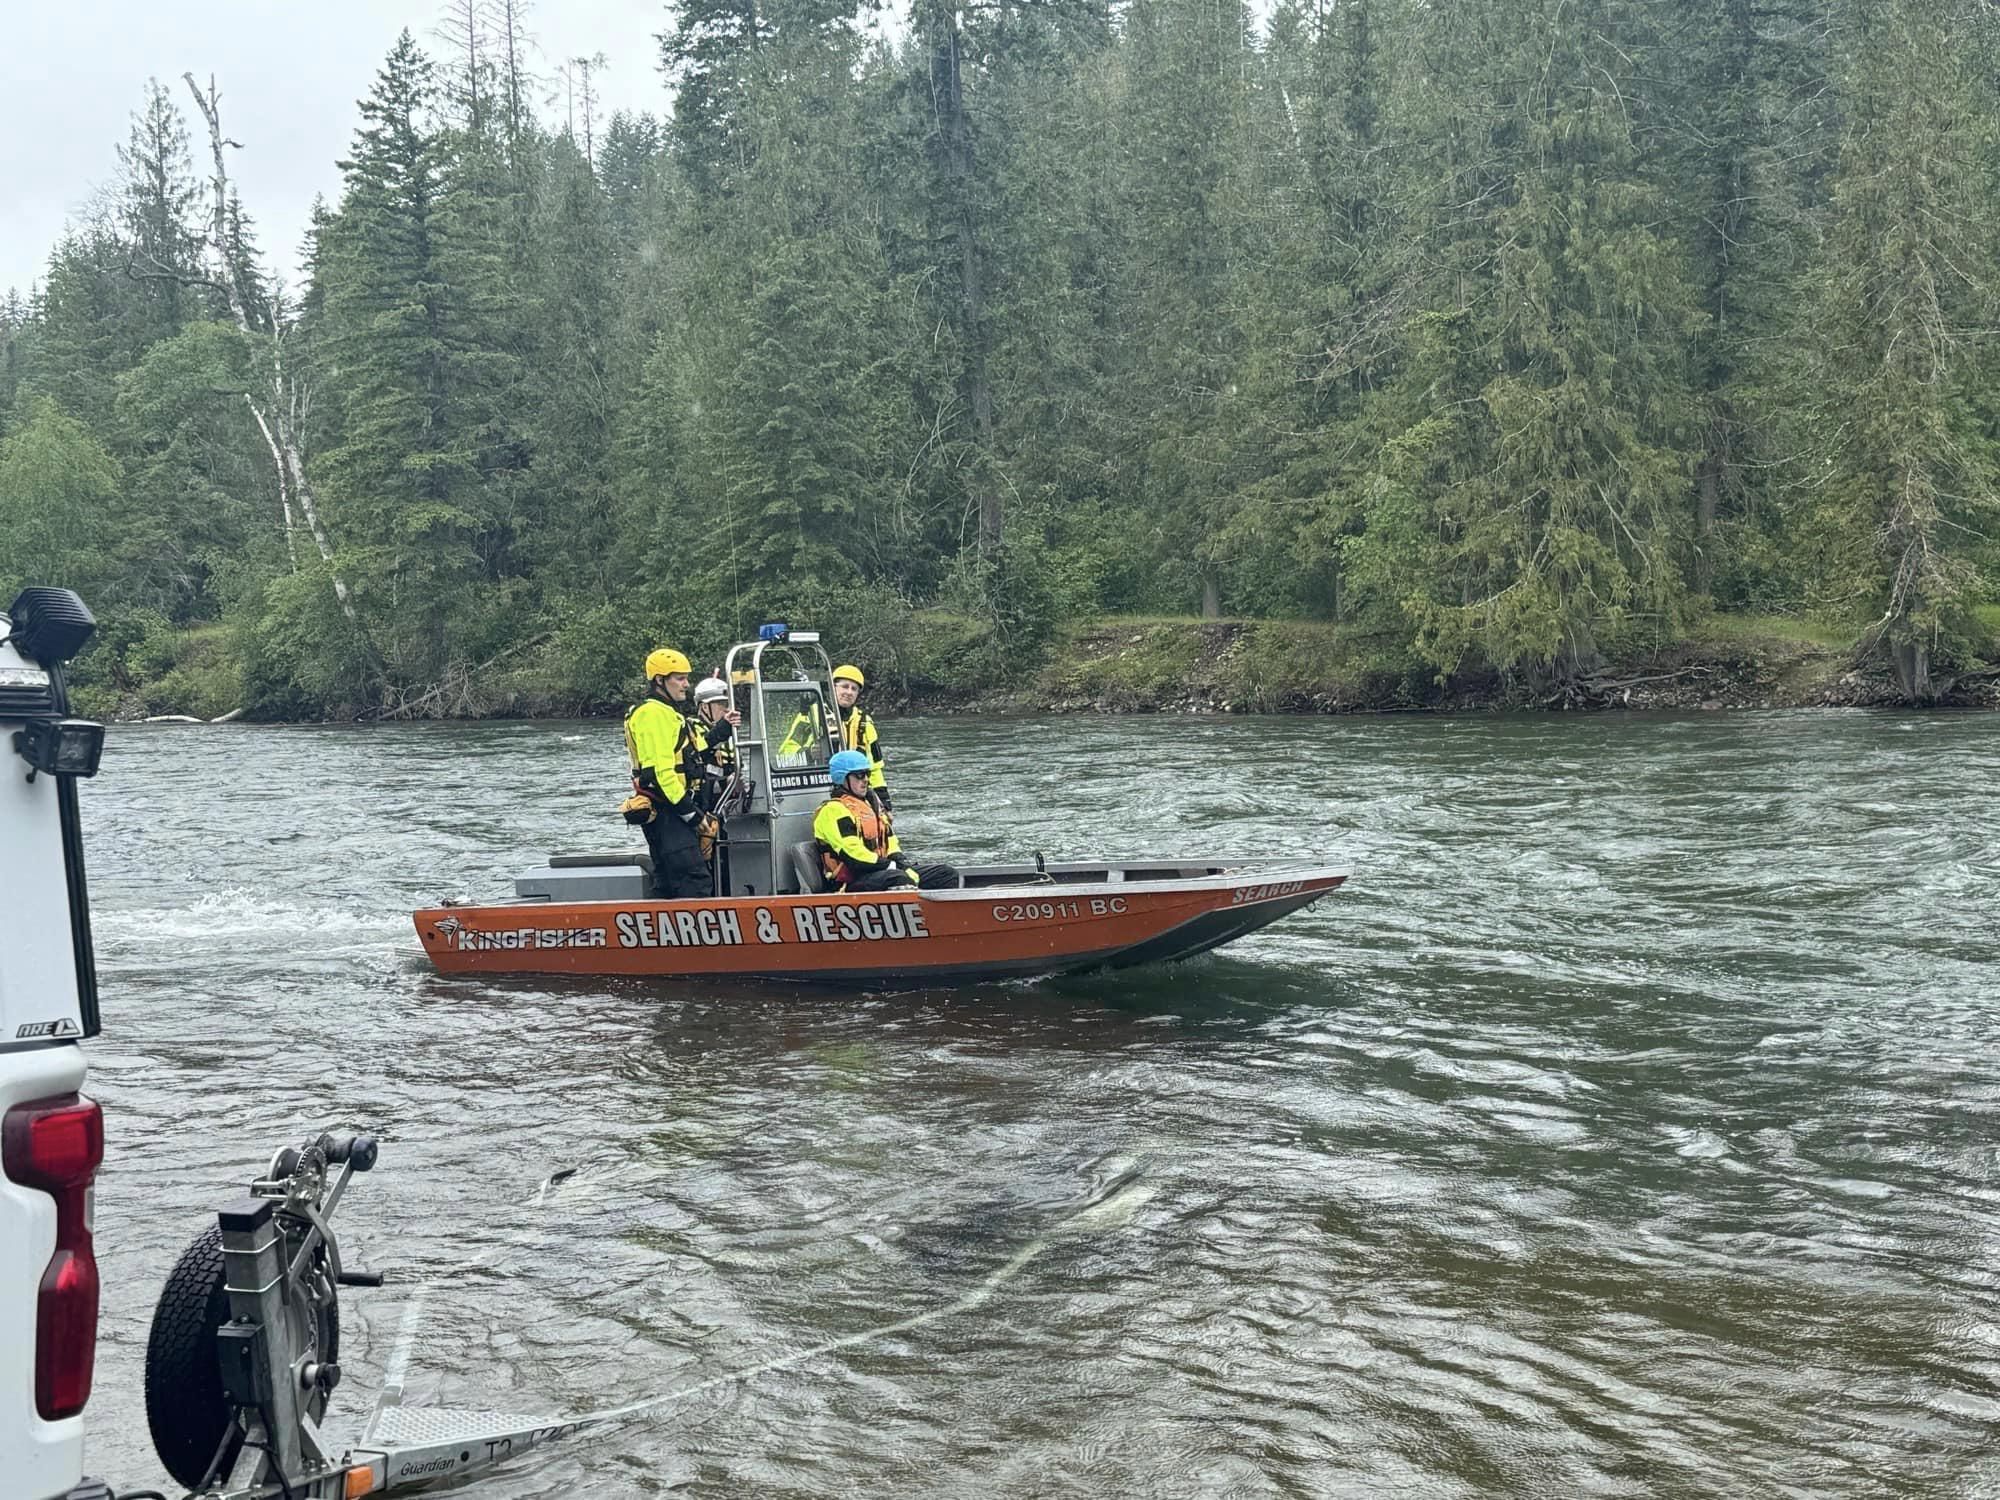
[{"x": 50, "y": 1030}]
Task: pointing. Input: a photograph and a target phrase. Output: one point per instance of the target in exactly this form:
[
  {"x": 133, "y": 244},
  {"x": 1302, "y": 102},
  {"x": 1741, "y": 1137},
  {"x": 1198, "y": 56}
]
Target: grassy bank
[
  {"x": 1133, "y": 664},
  {"x": 1146, "y": 664}
]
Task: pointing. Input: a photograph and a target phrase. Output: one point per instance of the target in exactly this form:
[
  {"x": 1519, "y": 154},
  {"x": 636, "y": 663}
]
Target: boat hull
[{"x": 994, "y": 932}]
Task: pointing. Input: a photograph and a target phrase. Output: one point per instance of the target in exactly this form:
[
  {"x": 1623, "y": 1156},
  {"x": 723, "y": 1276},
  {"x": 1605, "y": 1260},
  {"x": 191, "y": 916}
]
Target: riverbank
[
  {"x": 1153, "y": 664},
  {"x": 1168, "y": 665}
]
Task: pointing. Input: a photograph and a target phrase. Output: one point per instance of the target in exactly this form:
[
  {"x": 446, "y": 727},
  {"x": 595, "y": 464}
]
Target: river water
[{"x": 1627, "y": 1126}]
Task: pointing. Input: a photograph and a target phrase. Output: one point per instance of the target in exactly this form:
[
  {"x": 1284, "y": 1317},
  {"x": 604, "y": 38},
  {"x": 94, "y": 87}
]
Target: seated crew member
[
  {"x": 857, "y": 729},
  {"x": 666, "y": 773},
  {"x": 857, "y": 850}
]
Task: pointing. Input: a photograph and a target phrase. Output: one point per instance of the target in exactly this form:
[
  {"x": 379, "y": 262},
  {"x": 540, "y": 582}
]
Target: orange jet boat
[{"x": 772, "y": 916}]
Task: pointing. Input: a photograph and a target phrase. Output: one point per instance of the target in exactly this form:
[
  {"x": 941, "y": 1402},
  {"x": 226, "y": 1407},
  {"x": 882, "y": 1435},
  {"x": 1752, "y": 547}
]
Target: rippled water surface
[{"x": 1627, "y": 1126}]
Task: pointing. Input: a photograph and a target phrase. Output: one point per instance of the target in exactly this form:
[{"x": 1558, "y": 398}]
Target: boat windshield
[{"x": 797, "y": 718}]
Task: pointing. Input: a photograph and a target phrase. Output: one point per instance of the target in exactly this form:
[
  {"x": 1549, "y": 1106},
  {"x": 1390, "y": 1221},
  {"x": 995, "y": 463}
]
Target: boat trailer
[{"x": 242, "y": 1357}]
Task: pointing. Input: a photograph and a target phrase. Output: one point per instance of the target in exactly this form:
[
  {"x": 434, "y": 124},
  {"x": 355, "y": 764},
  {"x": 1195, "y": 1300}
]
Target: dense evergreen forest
[{"x": 1508, "y": 334}]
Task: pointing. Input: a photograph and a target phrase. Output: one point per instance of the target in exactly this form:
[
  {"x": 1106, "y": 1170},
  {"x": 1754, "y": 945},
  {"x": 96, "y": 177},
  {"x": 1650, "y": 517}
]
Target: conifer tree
[
  {"x": 1185, "y": 234},
  {"x": 393, "y": 465},
  {"x": 91, "y": 326},
  {"x": 567, "y": 398},
  {"x": 1508, "y": 333},
  {"x": 1907, "y": 497},
  {"x": 157, "y": 210},
  {"x": 1560, "y": 529}
]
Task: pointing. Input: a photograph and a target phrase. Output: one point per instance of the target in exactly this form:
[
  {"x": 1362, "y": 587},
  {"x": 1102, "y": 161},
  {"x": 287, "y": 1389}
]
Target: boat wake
[{"x": 237, "y": 913}]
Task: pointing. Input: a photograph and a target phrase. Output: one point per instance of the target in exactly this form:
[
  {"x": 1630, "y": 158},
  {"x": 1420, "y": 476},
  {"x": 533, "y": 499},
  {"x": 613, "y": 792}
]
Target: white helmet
[{"x": 710, "y": 690}]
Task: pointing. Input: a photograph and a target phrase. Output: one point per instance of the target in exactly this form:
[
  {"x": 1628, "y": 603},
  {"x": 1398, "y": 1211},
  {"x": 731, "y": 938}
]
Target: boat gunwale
[
  {"x": 1265, "y": 874},
  {"x": 1272, "y": 873}
]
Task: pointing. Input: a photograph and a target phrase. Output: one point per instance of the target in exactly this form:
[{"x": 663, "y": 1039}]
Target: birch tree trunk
[{"x": 276, "y": 417}]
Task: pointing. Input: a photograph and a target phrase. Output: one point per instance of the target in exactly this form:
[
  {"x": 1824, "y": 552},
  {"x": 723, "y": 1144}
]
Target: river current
[{"x": 1627, "y": 1126}]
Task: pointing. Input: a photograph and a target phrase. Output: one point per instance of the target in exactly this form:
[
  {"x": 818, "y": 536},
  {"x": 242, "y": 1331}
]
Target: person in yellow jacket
[
  {"x": 858, "y": 850},
  {"x": 858, "y": 847},
  {"x": 857, "y": 728},
  {"x": 715, "y": 725},
  {"x": 666, "y": 777}
]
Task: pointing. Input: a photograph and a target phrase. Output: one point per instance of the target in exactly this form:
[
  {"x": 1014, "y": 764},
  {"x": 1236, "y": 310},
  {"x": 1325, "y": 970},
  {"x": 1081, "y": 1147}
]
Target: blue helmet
[{"x": 845, "y": 764}]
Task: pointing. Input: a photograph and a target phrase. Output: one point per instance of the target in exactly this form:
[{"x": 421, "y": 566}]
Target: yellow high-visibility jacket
[
  {"x": 852, "y": 839},
  {"x": 857, "y": 732},
  {"x": 715, "y": 743},
  {"x": 662, "y": 745}
]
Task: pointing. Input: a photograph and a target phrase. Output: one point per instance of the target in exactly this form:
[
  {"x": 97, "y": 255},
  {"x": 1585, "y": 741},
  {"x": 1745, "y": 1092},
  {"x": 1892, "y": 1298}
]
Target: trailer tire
[{"x": 185, "y": 1405}]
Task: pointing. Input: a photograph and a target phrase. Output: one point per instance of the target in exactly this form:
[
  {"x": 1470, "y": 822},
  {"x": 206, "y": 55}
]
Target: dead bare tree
[
  {"x": 510, "y": 20},
  {"x": 280, "y": 410}
]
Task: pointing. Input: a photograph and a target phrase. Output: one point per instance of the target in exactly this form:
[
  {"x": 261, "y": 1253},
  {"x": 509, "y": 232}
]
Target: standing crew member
[
  {"x": 666, "y": 773},
  {"x": 857, "y": 728},
  {"x": 715, "y": 724}
]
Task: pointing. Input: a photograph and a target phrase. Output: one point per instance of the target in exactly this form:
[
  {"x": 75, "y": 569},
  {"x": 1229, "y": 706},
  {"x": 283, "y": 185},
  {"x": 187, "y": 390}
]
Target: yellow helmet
[
  {"x": 852, "y": 674},
  {"x": 665, "y": 662}
]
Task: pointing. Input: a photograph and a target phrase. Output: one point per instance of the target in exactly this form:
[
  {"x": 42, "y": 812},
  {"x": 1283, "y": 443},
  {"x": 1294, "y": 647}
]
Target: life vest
[
  {"x": 879, "y": 842},
  {"x": 857, "y": 732},
  {"x": 854, "y": 727},
  {"x": 715, "y": 743}
]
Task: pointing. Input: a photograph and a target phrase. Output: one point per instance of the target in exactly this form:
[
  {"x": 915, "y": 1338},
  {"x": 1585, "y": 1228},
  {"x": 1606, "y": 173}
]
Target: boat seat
[
  {"x": 806, "y": 869},
  {"x": 594, "y": 861}
]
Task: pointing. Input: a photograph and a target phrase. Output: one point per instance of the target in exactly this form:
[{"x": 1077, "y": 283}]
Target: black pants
[
  {"x": 679, "y": 871},
  {"x": 931, "y": 877},
  {"x": 879, "y": 880}
]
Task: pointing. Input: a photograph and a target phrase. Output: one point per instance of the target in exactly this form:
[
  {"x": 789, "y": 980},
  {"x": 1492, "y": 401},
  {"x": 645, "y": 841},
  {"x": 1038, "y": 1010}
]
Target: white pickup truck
[
  {"x": 51, "y": 1133},
  {"x": 242, "y": 1356}
]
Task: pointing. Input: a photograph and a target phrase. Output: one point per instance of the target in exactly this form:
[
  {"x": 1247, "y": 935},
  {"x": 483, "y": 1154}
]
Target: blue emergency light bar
[{"x": 771, "y": 632}]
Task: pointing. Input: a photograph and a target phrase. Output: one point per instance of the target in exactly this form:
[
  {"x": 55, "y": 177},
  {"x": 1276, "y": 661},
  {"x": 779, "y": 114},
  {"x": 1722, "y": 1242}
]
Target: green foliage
[
  {"x": 200, "y": 676},
  {"x": 1414, "y": 341},
  {"x": 59, "y": 492},
  {"x": 950, "y": 656},
  {"x": 300, "y": 660},
  {"x": 1126, "y": 665},
  {"x": 1908, "y": 488}
]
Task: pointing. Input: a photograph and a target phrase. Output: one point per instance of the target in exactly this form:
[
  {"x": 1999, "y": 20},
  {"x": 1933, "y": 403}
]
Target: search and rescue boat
[{"x": 772, "y": 917}]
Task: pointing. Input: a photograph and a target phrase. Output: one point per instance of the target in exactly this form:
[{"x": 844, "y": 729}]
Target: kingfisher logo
[{"x": 455, "y": 934}]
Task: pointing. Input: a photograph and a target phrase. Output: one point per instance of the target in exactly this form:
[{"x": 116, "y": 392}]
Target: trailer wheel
[{"x": 185, "y": 1406}]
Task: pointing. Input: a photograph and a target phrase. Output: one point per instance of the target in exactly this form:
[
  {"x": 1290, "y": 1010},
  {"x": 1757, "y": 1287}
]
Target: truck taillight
[{"x": 56, "y": 1145}]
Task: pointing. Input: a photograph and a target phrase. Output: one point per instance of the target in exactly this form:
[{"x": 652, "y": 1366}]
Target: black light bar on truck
[
  {"x": 50, "y": 626},
  {"x": 61, "y": 747}
]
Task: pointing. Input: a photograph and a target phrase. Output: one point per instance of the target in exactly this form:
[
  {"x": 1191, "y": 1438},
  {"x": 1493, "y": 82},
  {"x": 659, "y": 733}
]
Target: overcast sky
[{"x": 73, "y": 71}]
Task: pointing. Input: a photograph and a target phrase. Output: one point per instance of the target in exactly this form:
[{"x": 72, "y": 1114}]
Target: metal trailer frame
[{"x": 281, "y": 1263}]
